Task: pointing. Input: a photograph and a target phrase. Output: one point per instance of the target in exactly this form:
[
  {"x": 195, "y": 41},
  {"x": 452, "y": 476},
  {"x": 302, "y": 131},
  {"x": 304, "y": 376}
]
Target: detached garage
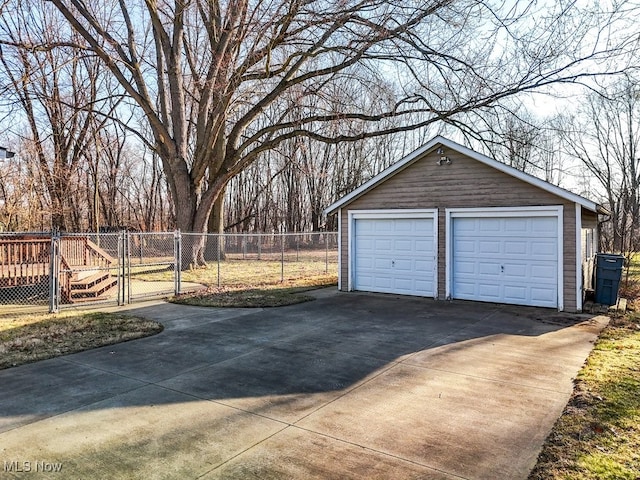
[{"x": 449, "y": 223}]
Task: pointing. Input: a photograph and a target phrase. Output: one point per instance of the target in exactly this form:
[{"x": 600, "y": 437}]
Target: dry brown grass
[
  {"x": 598, "y": 435},
  {"x": 267, "y": 295},
  {"x": 234, "y": 273},
  {"x": 30, "y": 338}
]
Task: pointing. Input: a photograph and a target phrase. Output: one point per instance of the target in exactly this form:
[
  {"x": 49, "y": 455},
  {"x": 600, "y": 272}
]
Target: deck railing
[
  {"x": 24, "y": 260},
  {"x": 80, "y": 251}
]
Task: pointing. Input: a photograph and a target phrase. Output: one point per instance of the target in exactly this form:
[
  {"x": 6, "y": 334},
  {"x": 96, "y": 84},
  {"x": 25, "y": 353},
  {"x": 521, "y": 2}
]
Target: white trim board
[
  {"x": 339, "y": 249},
  {"x": 579, "y": 282}
]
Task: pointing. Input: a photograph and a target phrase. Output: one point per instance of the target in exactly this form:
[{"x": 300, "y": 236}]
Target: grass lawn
[
  {"x": 251, "y": 283},
  {"x": 598, "y": 435},
  {"x": 28, "y": 338},
  {"x": 277, "y": 294},
  {"x": 252, "y": 273}
]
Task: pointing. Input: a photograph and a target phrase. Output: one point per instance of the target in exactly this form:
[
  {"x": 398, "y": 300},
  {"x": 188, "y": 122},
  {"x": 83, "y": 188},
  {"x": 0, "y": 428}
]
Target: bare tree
[
  {"x": 520, "y": 139},
  {"x": 220, "y": 83},
  {"x": 605, "y": 137},
  {"x": 53, "y": 86},
  {"x": 21, "y": 196}
]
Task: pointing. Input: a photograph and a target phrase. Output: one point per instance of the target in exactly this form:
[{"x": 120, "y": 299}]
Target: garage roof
[{"x": 445, "y": 142}]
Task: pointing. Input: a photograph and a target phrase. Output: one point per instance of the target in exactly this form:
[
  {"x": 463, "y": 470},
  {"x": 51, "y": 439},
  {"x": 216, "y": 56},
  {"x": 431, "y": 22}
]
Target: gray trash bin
[{"x": 608, "y": 275}]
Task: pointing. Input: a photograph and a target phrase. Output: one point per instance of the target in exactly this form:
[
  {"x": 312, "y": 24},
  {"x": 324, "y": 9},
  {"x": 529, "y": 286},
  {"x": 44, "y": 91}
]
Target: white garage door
[
  {"x": 395, "y": 256},
  {"x": 506, "y": 260}
]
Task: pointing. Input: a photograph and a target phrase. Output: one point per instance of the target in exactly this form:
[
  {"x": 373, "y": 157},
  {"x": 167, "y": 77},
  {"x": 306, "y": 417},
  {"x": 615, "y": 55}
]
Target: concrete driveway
[{"x": 347, "y": 386}]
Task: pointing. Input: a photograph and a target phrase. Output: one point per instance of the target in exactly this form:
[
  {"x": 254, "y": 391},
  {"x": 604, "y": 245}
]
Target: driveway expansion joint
[{"x": 338, "y": 384}]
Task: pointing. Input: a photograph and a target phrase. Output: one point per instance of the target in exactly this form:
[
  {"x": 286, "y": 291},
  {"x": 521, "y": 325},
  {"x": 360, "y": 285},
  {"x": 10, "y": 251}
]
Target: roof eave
[
  {"x": 416, "y": 154},
  {"x": 387, "y": 172}
]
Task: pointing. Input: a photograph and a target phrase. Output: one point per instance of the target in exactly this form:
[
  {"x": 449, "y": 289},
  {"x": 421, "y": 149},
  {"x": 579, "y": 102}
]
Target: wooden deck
[{"x": 85, "y": 268}]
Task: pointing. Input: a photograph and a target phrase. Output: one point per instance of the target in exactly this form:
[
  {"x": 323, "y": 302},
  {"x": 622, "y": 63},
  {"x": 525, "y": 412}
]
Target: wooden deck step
[
  {"x": 92, "y": 287},
  {"x": 89, "y": 281}
]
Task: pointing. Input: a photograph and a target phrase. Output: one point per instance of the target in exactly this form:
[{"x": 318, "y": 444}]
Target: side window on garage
[
  {"x": 589, "y": 248},
  {"x": 588, "y": 243}
]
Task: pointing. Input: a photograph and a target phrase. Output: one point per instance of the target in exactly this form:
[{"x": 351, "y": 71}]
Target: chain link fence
[
  {"x": 235, "y": 260},
  {"x": 42, "y": 271},
  {"x": 25, "y": 270}
]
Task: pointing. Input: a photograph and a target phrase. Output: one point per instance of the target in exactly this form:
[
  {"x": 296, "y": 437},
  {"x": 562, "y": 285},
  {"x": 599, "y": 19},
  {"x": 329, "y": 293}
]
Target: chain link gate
[{"x": 40, "y": 271}]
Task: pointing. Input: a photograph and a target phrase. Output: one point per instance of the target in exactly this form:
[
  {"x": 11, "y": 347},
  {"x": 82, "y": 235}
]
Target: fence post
[
  {"x": 177, "y": 262},
  {"x": 54, "y": 274},
  {"x": 218, "y": 243},
  {"x": 326, "y": 253},
  {"x": 282, "y": 257},
  {"x": 122, "y": 275},
  {"x": 128, "y": 264},
  {"x": 119, "y": 280}
]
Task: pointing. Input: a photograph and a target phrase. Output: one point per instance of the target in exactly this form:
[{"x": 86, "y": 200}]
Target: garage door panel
[
  {"x": 383, "y": 227},
  {"x": 424, "y": 266},
  {"x": 461, "y": 268},
  {"x": 488, "y": 247},
  {"x": 544, "y": 248},
  {"x": 399, "y": 256},
  {"x": 515, "y": 247},
  {"x": 466, "y": 288},
  {"x": 515, "y": 271},
  {"x": 488, "y": 269},
  {"x": 466, "y": 225},
  {"x": 384, "y": 283},
  {"x": 544, "y": 273},
  {"x": 543, "y": 295},
  {"x": 365, "y": 280},
  {"x": 489, "y": 225},
  {"x": 366, "y": 244},
  {"x": 516, "y": 226},
  {"x": 424, "y": 285},
  {"x": 547, "y": 226},
  {"x": 364, "y": 263},
  {"x": 515, "y": 293},
  {"x": 382, "y": 263},
  {"x": 506, "y": 260},
  {"x": 489, "y": 291},
  {"x": 383, "y": 245},
  {"x": 402, "y": 284},
  {"x": 402, "y": 227},
  {"x": 366, "y": 228},
  {"x": 464, "y": 246},
  {"x": 403, "y": 247},
  {"x": 424, "y": 246},
  {"x": 423, "y": 228},
  {"x": 406, "y": 265}
]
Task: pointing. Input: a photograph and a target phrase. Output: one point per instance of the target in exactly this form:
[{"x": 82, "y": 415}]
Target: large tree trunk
[
  {"x": 215, "y": 244},
  {"x": 193, "y": 211},
  {"x": 57, "y": 214}
]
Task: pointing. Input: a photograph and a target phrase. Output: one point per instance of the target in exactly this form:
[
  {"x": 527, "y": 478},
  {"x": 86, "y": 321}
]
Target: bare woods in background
[
  {"x": 125, "y": 188},
  {"x": 227, "y": 115}
]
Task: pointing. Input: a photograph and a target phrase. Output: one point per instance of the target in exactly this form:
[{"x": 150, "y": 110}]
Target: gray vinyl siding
[
  {"x": 465, "y": 183},
  {"x": 589, "y": 219}
]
